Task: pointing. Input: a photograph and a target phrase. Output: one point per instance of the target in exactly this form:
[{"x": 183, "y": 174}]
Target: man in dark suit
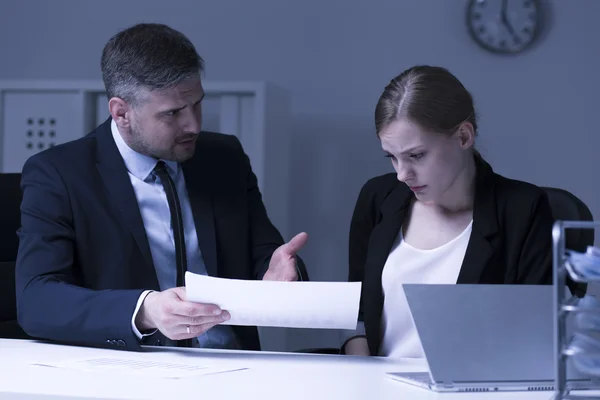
[{"x": 111, "y": 222}]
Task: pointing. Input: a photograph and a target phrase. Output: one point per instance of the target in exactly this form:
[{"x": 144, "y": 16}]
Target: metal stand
[{"x": 563, "y": 306}]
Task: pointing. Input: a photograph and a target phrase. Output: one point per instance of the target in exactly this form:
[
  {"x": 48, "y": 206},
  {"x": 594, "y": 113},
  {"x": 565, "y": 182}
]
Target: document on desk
[
  {"x": 325, "y": 305},
  {"x": 138, "y": 366}
]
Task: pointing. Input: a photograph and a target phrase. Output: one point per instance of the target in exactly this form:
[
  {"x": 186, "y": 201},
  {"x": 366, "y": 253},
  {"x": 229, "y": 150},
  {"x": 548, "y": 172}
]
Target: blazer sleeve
[
  {"x": 264, "y": 236},
  {"x": 51, "y": 300},
  {"x": 535, "y": 261},
  {"x": 361, "y": 225}
]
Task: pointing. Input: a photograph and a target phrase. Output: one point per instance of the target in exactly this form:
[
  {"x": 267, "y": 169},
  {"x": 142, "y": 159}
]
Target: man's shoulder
[
  {"x": 217, "y": 147},
  {"x": 219, "y": 141},
  {"x": 73, "y": 154}
]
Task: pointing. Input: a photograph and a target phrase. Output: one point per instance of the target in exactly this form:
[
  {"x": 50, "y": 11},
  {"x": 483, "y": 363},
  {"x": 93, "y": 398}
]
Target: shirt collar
[{"x": 139, "y": 165}]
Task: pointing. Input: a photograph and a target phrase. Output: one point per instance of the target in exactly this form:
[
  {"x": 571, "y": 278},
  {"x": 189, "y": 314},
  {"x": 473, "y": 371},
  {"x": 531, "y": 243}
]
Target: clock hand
[{"x": 505, "y": 22}]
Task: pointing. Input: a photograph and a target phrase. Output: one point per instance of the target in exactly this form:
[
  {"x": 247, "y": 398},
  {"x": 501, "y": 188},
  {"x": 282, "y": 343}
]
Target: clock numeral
[
  {"x": 503, "y": 44},
  {"x": 527, "y": 30},
  {"x": 516, "y": 41},
  {"x": 481, "y": 29},
  {"x": 476, "y": 16}
]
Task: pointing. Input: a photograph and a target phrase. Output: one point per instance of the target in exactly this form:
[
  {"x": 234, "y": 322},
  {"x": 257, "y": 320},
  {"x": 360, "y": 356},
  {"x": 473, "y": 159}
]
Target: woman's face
[{"x": 428, "y": 162}]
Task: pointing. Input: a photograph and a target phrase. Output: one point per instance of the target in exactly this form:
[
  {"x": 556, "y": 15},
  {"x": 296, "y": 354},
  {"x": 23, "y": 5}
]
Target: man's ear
[{"x": 120, "y": 112}]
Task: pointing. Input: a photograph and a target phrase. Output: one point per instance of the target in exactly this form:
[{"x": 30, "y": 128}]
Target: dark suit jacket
[
  {"x": 510, "y": 243},
  {"x": 84, "y": 258}
]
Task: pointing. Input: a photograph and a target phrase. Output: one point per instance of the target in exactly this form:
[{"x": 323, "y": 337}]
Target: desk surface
[{"x": 269, "y": 376}]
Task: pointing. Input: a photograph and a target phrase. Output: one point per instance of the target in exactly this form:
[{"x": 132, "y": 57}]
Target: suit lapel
[
  {"x": 382, "y": 239},
  {"x": 201, "y": 202},
  {"x": 485, "y": 225},
  {"x": 478, "y": 253},
  {"x": 393, "y": 211},
  {"x": 112, "y": 169}
]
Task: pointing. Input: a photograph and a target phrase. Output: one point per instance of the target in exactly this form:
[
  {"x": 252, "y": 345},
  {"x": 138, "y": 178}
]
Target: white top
[{"x": 407, "y": 264}]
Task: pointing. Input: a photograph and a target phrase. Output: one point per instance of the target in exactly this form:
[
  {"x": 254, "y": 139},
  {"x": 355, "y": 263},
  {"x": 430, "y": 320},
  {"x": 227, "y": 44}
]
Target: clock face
[{"x": 504, "y": 26}]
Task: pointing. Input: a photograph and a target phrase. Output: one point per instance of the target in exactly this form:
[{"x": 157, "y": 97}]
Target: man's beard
[{"x": 139, "y": 144}]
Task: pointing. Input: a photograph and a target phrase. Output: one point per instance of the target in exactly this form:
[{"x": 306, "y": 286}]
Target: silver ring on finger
[{"x": 187, "y": 328}]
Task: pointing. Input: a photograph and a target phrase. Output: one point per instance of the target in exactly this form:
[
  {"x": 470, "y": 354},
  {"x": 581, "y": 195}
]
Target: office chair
[
  {"x": 568, "y": 207},
  {"x": 10, "y": 202}
]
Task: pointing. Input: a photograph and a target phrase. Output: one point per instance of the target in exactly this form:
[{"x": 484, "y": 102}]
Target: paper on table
[
  {"x": 328, "y": 305},
  {"x": 147, "y": 368}
]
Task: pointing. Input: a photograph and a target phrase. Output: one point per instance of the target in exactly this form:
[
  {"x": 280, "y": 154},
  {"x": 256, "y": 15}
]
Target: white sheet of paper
[
  {"x": 326, "y": 305},
  {"x": 147, "y": 368}
]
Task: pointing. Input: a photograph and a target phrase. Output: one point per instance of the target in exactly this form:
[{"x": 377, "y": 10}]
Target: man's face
[{"x": 166, "y": 122}]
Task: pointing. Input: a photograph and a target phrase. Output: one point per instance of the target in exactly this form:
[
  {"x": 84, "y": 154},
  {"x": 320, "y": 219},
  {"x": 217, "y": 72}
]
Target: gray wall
[{"x": 538, "y": 110}]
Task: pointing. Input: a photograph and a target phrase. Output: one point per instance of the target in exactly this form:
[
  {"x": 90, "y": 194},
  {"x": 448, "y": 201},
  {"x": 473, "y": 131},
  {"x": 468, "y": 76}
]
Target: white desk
[{"x": 269, "y": 376}]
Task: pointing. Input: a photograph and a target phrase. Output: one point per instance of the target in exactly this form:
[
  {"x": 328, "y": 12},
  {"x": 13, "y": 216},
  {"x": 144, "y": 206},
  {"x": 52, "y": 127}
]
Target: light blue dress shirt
[{"x": 154, "y": 208}]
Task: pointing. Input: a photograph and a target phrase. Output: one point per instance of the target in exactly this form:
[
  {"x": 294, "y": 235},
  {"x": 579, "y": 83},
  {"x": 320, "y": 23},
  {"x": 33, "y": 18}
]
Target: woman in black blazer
[{"x": 444, "y": 217}]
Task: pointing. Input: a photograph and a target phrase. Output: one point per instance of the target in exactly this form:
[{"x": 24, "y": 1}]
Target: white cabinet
[{"x": 35, "y": 115}]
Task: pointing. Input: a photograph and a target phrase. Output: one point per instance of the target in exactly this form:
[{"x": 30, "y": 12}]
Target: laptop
[{"x": 484, "y": 338}]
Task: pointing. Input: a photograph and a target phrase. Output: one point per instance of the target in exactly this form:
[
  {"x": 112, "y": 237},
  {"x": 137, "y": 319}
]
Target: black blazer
[
  {"x": 84, "y": 258},
  {"x": 510, "y": 243}
]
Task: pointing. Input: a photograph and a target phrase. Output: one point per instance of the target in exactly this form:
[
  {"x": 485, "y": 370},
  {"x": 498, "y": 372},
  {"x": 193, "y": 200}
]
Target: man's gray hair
[{"x": 147, "y": 57}]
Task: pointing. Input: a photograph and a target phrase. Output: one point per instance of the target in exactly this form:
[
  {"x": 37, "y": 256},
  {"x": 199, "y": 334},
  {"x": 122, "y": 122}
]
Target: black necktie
[{"x": 177, "y": 225}]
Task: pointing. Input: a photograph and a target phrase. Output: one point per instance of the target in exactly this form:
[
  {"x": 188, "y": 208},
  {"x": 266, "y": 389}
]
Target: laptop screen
[{"x": 485, "y": 333}]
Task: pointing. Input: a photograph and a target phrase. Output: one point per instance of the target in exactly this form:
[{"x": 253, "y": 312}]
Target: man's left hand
[{"x": 282, "y": 266}]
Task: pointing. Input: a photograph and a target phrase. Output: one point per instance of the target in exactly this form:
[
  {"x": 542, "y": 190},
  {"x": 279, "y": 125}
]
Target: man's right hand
[{"x": 175, "y": 317}]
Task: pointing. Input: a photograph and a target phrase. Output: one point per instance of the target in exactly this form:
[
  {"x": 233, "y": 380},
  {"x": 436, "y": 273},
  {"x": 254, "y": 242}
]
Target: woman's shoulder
[
  {"x": 519, "y": 202},
  {"x": 517, "y": 191},
  {"x": 507, "y": 190},
  {"x": 378, "y": 194},
  {"x": 379, "y": 187}
]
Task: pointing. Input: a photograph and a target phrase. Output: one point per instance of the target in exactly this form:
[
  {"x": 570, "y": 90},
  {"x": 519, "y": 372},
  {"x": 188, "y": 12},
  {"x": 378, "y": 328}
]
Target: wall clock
[{"x": 504, "y": 26}]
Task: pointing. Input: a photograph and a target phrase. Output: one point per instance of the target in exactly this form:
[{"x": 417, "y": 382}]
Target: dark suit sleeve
[
  {"x": 535, "y": 261},
  {"x": 361, "y": 225},
  {"x": 51, "y": 300},
  {"x": 264, "y": 236}
]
